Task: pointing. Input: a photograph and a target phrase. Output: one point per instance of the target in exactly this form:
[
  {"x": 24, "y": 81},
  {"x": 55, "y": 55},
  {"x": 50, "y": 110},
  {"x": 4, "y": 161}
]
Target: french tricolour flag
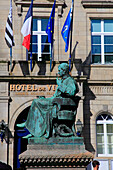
[{"x": 26, "y": 28}]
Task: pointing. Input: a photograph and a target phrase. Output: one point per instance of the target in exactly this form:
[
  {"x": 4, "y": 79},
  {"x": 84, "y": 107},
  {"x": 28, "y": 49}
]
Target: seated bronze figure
[{"x": 55, "y": 115}]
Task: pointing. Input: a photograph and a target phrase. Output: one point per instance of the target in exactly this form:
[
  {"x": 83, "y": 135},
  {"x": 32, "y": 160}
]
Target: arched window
[{"x": 104, "y": 129}]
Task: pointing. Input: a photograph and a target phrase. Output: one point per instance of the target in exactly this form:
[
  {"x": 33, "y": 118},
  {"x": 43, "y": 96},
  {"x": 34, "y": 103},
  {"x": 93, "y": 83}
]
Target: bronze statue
[{"x": 47, "y": 116}]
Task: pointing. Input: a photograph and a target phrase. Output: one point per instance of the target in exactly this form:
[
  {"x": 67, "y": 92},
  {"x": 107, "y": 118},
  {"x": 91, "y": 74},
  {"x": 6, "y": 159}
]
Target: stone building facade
[{"x": 92, "y": 67}]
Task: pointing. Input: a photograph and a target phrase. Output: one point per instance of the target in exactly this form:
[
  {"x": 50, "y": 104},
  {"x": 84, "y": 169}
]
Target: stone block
[{"x": 3, "y": 68}]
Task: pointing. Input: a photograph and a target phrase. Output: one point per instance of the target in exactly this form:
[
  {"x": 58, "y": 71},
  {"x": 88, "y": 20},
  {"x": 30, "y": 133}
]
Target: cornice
[
  {"x": 97, "y": 3},
  {"x": 35, "y": 78},
  {"x": 44, "y": 3}
]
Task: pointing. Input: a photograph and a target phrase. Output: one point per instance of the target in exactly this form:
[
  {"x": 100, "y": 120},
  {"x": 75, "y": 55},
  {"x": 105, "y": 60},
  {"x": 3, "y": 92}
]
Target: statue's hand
[
  {"x": 58, "y": 80},
  {"x": 61, "y": 89}
]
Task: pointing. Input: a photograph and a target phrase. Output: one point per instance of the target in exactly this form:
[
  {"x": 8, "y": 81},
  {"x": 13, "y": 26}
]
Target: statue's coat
[{"x": 39, "y": 120}]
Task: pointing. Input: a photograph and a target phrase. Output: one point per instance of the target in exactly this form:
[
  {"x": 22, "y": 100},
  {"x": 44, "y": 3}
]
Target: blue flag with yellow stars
[
  {"x": 50, "y": 25},
  {"x": 66, "y": 29}
]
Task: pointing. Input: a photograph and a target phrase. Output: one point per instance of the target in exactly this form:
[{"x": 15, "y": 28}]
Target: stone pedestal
[{"x": 55, "y": 153}]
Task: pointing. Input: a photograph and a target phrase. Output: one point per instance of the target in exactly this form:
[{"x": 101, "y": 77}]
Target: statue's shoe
[
  {"x": 28, "y": 136},
  {"x": 21, "y": 125}
]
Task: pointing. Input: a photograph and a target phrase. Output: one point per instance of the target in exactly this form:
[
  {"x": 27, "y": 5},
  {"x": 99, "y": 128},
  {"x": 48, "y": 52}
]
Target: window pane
[
  {"x": 100, "y": 128},
  {"x": 34, "y": 48},
  {"x": 35, "y": 24},
  {"x": 44, "y": 24},
  {"x": 108, "y": 39},
  {"x": 104, "y": 116},
  {"x": 34, "y": 38},
  {"x": 108, "y": 48},
  {"x": 110, "y": 149},
  {"x": 110, "y": 128},
  {"x": 45, "y": 48},
  {"x": 96, "y": 25},
  {"x": 96, "y": 39},
  {"x": 96, "y": 59},
  {"x": 110, "y": 138},
  {"x": 109, "y": 58},
  {"x": 100, "y": 149},
  {"x": 109, "y": 117},
  {"x": 96, "y": 49},
  {"x": 108, "y": 25},
  {"x": 100, "y": 117},
  {"x": 44, "y": 39},
  {"x": 100, "y": 138}
]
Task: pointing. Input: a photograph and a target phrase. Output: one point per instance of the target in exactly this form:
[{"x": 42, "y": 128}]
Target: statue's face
[{"x": 61, "y": 72}]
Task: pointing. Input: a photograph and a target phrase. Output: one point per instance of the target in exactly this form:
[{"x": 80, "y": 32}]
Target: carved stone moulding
[
  {"x": 80, "y": 160},
  {"x": 37, "y": 3},
  {"x": 97, "y": 3}
]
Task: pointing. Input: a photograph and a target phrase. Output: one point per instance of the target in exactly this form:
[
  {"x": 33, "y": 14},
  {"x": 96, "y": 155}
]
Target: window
[
  {"x": 40, "y": 45},
  {"x": 102, "y": 41},
  {"x": 104, "y": 135}
]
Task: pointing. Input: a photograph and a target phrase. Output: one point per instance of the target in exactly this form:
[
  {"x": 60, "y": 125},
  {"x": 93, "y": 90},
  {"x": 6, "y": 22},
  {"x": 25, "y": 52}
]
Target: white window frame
[
  {"x": 39, "y": 33},
  {"x": 111, "y": 163},
  {"x": 102, "y": 34},
  {"x": 105, "y": 123}
]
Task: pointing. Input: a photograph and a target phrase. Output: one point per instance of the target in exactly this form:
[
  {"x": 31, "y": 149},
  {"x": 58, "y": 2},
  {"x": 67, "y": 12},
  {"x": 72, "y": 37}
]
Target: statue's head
[{"x": 63, "y": 69}]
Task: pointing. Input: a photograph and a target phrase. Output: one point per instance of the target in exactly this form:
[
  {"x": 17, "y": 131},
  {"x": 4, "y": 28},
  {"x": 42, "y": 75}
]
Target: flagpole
[
  {"x": 50, "y": 32},
  {"x": 31, "y": 39},
  {"x": 12, "y": 39},
  {"x": 9, "y": 35},
  {"x": 51, "y": 56},
  {"x": 71, "y": 36},
  {"x": 10, "y": 59}
]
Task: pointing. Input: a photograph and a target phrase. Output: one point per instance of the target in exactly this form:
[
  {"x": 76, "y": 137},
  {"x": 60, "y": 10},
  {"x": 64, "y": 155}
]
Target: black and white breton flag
[{"x": 9, "y": 29}]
